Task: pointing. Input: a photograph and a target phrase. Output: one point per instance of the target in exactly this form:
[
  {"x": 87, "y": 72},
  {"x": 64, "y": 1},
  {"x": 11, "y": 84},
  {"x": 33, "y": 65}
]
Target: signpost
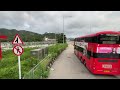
[
  {"x": 17, "y": 40},
  {"x": 18, "y": 50}
]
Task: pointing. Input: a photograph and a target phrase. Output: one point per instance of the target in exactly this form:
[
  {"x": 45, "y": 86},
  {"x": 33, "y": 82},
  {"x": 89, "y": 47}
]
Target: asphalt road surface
[{"x": 68, "y": 66}]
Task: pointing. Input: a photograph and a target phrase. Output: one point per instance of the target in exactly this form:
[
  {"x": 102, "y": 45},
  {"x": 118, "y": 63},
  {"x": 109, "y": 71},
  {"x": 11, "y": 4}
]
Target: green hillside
[{"x": 28, "y": 36}]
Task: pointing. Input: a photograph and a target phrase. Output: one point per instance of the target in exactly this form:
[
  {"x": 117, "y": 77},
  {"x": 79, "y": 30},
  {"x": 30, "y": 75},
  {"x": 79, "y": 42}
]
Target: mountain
[{"x": 26, "y": 36}]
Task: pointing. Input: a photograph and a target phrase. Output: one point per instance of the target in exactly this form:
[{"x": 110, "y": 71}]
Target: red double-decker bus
[{"x": 99, "y": 52}]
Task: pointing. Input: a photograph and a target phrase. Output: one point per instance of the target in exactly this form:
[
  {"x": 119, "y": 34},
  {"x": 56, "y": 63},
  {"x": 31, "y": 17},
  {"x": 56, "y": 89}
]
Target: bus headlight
[{"x": 118, "y": 50}]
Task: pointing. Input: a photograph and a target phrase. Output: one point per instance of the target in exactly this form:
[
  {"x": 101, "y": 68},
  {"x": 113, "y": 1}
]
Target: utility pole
[
  {"x": 55, "y": 38},
  {"x": 63, "y": 29},
  {"x": 90, "y": 28}
]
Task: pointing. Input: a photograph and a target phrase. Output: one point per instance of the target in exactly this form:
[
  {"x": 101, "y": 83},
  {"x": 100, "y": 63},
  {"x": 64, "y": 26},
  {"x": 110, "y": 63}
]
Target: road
[{"x": 68, "y": 66}]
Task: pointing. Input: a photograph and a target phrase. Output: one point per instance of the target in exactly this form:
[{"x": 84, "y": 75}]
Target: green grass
[
  {"x": 9, "y": 62},
  {"x": 54, "y": 51}
]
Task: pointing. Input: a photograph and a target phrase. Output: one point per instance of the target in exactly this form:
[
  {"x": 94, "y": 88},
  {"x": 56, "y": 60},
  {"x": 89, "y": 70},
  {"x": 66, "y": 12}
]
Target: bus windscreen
[{"x": 109, "y": 39}]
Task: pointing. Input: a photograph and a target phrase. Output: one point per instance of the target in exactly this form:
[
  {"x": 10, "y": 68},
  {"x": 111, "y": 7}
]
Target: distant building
[
  {"x": 51, "y": 40},
  {"x": 47, "y": 40}
]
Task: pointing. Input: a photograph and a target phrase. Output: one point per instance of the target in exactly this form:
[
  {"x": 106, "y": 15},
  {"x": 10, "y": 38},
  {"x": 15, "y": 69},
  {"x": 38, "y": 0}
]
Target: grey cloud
[{"x": 81, "y": 22}]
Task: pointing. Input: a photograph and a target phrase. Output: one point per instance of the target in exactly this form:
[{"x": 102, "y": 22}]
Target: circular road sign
[{"x": 18, "y": 50}]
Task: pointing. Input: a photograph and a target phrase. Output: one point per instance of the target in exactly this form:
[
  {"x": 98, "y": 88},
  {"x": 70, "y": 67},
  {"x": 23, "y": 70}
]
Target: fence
[
  {"x": 38, "y": 71},
  {"x": 8, "y": 45}
]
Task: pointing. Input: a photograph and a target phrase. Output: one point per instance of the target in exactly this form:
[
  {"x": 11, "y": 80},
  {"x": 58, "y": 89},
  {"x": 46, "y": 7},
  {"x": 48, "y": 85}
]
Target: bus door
[{"x": 89, "y": 59}]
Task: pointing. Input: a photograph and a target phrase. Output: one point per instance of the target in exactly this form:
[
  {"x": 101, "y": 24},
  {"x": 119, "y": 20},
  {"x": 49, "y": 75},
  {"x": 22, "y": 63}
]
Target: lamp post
[
  {"x": 55, "y": 37},
  {"x": 63, "y": 27},
  {"x": 90, "y": 28}
]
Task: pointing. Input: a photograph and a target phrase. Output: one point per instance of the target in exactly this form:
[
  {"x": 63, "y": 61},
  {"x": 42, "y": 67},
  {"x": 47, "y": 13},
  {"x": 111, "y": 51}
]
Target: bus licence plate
[
  {"x": 106, "y": 70},
  {"x": 106, "y": 66}
]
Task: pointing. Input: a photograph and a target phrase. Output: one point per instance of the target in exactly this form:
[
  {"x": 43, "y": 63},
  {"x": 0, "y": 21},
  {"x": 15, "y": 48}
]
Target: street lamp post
[
  {"x": 63, "y": 28},
  {"x": 90, "y": 28},
  {"x": 55, "y": 37}
]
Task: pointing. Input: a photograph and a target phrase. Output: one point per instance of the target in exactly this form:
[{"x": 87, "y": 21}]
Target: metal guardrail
[{"x": 36, "y": 72}]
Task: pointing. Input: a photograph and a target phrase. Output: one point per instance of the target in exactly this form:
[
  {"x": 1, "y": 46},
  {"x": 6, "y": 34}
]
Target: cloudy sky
[{"x": 76, "y": 23}]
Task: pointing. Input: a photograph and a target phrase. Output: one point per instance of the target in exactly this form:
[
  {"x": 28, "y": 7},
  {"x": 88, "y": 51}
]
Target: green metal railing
[{"x": 38, "y": 71}]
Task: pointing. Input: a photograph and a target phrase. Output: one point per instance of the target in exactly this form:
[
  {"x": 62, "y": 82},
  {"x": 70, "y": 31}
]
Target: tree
[{"x": 60, "y": 38}]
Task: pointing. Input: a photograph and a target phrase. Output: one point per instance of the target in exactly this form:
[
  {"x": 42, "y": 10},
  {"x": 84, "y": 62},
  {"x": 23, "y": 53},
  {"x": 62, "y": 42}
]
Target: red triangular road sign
[{"x": 17, "y": 40}]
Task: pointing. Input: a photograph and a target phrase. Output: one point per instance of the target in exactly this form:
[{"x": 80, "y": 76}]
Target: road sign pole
[
  {"x": 18, "y": 50},
  {"x": 19, "y": 65}
]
